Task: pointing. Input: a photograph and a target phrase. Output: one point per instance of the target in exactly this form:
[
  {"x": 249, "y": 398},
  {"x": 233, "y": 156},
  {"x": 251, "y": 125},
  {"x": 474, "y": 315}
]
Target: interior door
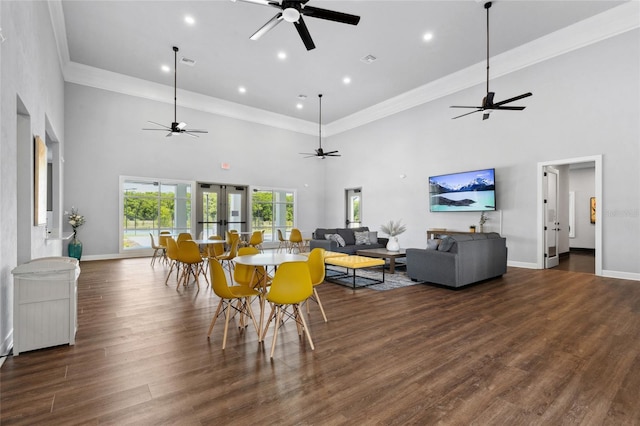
[
  {"x": 353, "y": 203},
  {"x": 220, "y": 208},
  {"x": 551, "y": 224}
]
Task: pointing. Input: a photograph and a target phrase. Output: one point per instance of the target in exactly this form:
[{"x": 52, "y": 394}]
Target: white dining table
[
  {"x": 204, "y": 242},
  {"x": 267, "y": 260}
]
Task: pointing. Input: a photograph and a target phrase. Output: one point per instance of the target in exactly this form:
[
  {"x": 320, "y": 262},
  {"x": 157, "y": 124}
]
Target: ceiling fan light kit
[
  {"x": 176, "y": 128},
  {"x": 488, "y": 105},
  {"x": 293, "y": 11},
  {"x": 320, "y": 154}
]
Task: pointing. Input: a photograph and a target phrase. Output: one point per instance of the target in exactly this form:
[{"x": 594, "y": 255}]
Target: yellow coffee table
[{"x": 354, "y": 262}]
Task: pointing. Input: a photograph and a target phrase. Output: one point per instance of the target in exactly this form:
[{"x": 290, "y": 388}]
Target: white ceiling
[{"x": 134, "y": 38}]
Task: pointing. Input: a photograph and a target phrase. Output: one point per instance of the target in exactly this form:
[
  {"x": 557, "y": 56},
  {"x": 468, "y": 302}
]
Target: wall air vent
[
  {"x": 187, "y": 61},
  {"x": 369, "y": 59}
]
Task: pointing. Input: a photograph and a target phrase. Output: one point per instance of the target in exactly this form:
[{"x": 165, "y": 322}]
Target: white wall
[
  {"x": 30, "y": 71},
  {"x": 105, "y": 140},
  {"x": 582, "y": 184},
  {"x": 584, "y": 103}
]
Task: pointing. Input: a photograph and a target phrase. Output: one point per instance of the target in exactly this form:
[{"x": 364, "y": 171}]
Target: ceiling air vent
[
  {"x": 368, "y": 59},
  {"x": 187, "y": 61}
]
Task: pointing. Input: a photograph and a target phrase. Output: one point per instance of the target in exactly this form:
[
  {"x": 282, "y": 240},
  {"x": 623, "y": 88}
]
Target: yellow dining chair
[
  {"x": 284, "y": 244},
  {"x": 183, "y": 236},
  {"x": 317, "y": 272},
  {"x": 214, "y": 250},
  {"x": 162, "y": 240},
  {"x": 291, "y": 286},
  {"x": 295, "y": 240},
  {"x": 174, "y": 261},
  {"x": 250, "y": 276},
  {"x": 256, "y": 240},
  {"x": 226, "y": 259},
  {"x": 191, "y": 261},
  {"x": 158, "y": 250},
  {"x": 227, "y": 295}
]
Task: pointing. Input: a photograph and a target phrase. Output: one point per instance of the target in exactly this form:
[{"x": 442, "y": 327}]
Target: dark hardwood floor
[{"x": 543, "y": 347}]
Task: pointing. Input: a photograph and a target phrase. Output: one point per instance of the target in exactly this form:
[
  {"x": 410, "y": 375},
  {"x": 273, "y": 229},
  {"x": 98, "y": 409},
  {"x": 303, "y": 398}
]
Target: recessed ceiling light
[
  {"x": 427, "y": 37},
  {"x": 346, "y": 79},
  {"x": 282, "y": 55},
  {"x": 299, "y": 106},
  {"x": 189, "y": 20},
  {"x": 242, "y": 89},
  {"x": 165, "y": 68}
]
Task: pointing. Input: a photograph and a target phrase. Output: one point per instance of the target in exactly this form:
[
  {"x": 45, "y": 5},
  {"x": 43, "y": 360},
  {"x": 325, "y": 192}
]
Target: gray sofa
[
  {"x": 348, "y": 235},
  {"x": 459, "y": 259}
]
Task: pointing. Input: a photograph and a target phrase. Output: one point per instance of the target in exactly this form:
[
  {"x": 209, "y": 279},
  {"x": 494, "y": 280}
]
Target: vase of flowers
[
  {"x": 76, "y": 220},
  {"x": 393, "y": 229},
  {"x": 483, "y": 219}
]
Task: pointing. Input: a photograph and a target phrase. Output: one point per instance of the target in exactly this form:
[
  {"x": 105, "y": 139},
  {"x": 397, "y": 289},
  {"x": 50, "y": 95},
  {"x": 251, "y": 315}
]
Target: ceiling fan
[
  {"x": 487, "y": 103},
  {"x": 320, "y": 152},
  {"x": 292, "y": 11},
  {"x": 176, "y": 128}
]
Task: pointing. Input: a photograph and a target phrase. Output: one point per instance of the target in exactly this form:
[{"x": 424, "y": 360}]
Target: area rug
[{"x": 364, "y": 277}]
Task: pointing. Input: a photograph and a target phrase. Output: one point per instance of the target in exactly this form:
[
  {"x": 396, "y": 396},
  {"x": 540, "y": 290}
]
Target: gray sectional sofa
[
  {"x": 326, "y": 238},
  {"x": 459, "y": 259}
]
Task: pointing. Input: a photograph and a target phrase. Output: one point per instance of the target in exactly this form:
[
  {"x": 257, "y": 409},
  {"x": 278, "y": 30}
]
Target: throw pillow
[
  {"x": 446, "y": 244},
  {"x": 347, "y": 236},
  {"x": 362, "y": 237},
  {"x": 328, "y": 236},
  {"x": 432, "y": 244},
  {"x": 338, "y": 239},
  {"x": 373, "y": 237}
]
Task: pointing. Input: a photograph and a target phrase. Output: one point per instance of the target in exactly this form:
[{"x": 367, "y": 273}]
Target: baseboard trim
[
  {"x": 621, "y": 275},
  {"x": 525, "y": 265}
]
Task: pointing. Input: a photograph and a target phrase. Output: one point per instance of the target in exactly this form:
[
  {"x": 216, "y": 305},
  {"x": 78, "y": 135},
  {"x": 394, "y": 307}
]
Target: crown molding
[
  {"x": 132, "y": 86},
  {"x": 613, "y": 22}
]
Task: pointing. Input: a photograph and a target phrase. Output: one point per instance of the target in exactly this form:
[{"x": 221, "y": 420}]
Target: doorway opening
[
  {"x": 353, "y": 211},
  {"x": 568, "y": 216}
]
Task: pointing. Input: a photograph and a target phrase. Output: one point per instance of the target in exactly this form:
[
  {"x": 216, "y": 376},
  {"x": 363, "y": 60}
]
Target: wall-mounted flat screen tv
[{"x": 463, "y": 192}]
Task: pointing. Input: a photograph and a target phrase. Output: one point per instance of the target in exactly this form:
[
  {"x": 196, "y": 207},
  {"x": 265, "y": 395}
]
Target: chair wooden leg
[
  {"x": 315, "y": 292},
  {"x": 306, "y": 330},
  {"x": 266, "y": 325},
  {"x": 215, "y": 317},
  {"x": 275, "y": 331},
  {"x": 253, "y": 318},
  {"x": 226, "y": 326}
]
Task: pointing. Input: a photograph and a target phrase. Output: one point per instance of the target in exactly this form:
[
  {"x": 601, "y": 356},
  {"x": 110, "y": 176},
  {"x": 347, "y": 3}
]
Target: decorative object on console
[
  {"x": 487, "y": 103},
  {"x": 466, "y": 191},
  {"x": 483, "y": 220},
  {"x": 76, "y": 220},
  {"x": 393, "y": 229}
]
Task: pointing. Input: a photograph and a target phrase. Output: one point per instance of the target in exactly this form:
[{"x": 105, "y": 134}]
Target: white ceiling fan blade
[
  {"x": 181, "y": 125},
  {"x": 261, "y": 2},
  {"x": 267, "y": 27}
]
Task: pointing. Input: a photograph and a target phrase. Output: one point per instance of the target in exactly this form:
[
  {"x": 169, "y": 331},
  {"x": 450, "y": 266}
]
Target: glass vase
[{"x": 75, "y": 248}]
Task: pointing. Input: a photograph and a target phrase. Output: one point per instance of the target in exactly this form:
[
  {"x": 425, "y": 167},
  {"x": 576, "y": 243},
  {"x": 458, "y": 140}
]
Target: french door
[
  {"x": 551, "y": 224},
  {"x": 353, "y": 203},
  {"x": 220, "y": 208}
]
